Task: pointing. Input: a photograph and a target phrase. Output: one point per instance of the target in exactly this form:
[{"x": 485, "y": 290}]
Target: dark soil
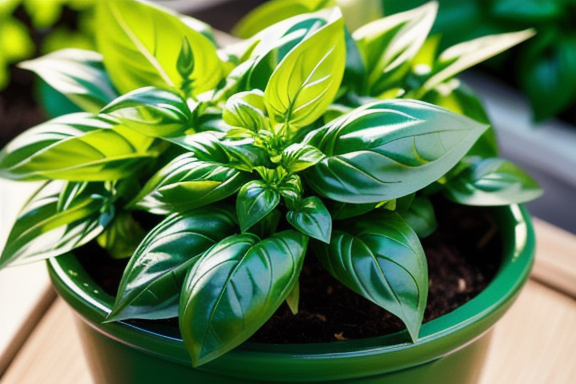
[{"x": 463, "y": 256}]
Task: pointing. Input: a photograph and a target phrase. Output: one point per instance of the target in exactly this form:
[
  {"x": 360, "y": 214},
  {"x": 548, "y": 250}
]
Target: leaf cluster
[{"x": 303, "y": 134}]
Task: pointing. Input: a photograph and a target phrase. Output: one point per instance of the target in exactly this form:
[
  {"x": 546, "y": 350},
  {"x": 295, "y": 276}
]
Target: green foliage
[{"x": 301, "y": 131}]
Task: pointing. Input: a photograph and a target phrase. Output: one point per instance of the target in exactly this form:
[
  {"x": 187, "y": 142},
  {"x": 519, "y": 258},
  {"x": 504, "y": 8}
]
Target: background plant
[{"x": 304, "y": 134}]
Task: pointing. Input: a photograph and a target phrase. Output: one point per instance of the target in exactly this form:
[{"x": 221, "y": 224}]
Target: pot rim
[{"x": 377, "y": 355}]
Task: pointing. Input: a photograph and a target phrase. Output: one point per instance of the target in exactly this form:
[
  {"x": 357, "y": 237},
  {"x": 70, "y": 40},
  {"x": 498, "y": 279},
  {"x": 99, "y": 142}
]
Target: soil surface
[{"x": 463, "y": 256}]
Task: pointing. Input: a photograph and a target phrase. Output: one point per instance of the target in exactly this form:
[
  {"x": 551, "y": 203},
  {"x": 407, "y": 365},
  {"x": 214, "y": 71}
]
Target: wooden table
[{"x": 534, "y": 343}]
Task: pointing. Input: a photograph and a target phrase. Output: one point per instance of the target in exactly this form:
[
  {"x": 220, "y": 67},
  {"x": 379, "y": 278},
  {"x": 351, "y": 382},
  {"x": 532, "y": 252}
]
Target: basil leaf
[
  {"x": 188, "y": 183},
  {"x": 48, "y": 227},
  {"x": 387, "y": 150},
  {"x": 297, "y": 157},
  {"x": 152, "y": 112},
  {"x": 400, "y": 37},
  {"x": 307, "y": 79},
  {"x": 342, "y": 211},
  {"x": 141, "y": 44},
  {"x": 151, "y": 283},
  {"x": 121, "y": 238},
  {"x": 380, "y": 257},
  {"x": 492, "y": 181},
  {"x": 76, "y": 147},
  {"x": 312, "y": 219},
  {"x": 420, "y": 216},
  {"x": 246, "y": 110},
  {"x": 234, "y": 288},
  {"x": 255, "y": 201},
  {"x": 78, "y": 74}
]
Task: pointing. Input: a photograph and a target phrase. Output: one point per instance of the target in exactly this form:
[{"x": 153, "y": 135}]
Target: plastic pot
[{"x": 451, "y": 348}]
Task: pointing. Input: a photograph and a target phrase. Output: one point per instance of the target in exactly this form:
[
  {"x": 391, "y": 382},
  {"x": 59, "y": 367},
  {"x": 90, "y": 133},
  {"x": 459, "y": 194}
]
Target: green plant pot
[{"x": 450, "y": 349}]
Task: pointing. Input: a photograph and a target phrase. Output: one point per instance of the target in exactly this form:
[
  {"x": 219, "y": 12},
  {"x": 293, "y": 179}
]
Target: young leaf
[
  {"x": 420, "y": 216},
  {"x": 399, "y": 36},
  {"x": 246, "y": 110},
  {"x": 380, "y": 257},
  {"x": 76, "y": 147},
  {"x": 388, "y": 149},
  {"x": 307, "y": 79},
  {"x": 188, "y": 183},
  {"x": 151, "y": 284},
  {"x": 152, "y": 112},
  {"x": 492, "y": 181},
  {"x": 234, "y": 288},
  {"x": 312, "y": 219},
  {"x": 255, "y": 201},
  {"x": 297, "y": 157},
  {"x": 122, "y": 236},
  {"x": 467, "y": 54},
  {"x": 77, "y": 74},
  {"x": 48, "y": 227},
  {"x": 141, "y": 44}
]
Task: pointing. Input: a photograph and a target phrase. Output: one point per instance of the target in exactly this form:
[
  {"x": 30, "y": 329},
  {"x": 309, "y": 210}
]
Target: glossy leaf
[
  {"x": 78, "y": 74},
  {"x": 48, "y": 227},
  {"x": 297, "y": 157},
  {"x": 246, "y": 110},
  {"x": 399, "y": 37},
  {"x": 152, "y": 281},
  {"x": 342, "y": 211},
  {"x": 490, "y": 182},
  {"x": 380, "y": 257},
  {"x": 307, "y": 79},
  {"x": 188, "y": 183},
  {"x": 234, "y": 288},
  {"x": 121, "y": 238},
  {"x": 387, "y": 150},
  {"x": 141, "y": 44},
  {"x": 420, "y": 216},
  {"x": 467, "y": 54},
  {"x": 312, "y": 219},
  {"x": 76, "y": 147},
  {"x": 152, "y": 112},
  {"x": 255, "y": 201}
]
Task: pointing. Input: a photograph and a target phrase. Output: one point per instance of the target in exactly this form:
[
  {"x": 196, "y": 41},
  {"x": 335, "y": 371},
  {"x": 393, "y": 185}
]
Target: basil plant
[{"x": 304, "y": 140}]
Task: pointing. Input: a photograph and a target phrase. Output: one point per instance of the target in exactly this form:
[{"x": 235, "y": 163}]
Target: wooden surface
[{"x": 533, "y": 344}]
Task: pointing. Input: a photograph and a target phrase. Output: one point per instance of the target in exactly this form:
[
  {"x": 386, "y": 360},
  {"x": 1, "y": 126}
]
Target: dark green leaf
[
  {"x": 234, "y": 289},
  {"x": 420, "y": 216},
  {"x": 380, "y": 257},
  {"x": 312, "y": 219},
  {"x": 255, "y": 201},
  {"x": 141, "y": 44},
  {"x": 152, "y": 112},
  {"x": 268, "y": 225},
  {"x": 188, "y": 183},
  {"x": 527, "y": 11},
  {"x": 151, "y": 284},
  {"x": 77, "y": 74},
  {"x": 76, "y": 147},
  {"x": 342, "y": 211},
  {"x": 492, "y": 181},
  {"x": 387, "y": 150},
  {"x": 48, "y": 227},
  {"x": 307, "y": 79}
]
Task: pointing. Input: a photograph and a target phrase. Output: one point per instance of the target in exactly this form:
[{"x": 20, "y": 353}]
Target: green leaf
[
  {"x": 121, "y": 238},
  {"x": 255, "y": 201},
  {"x": 234, "y": 288},
  {"x": 307, "y": 79},
  {"x": 490, "y": 182},
  {"x": 387, "y": 150},
  {"x": 293, "y": 299},
  {"x": 246, "y": 110},
  {"x": 469, "y": 53},
  {"x": 188, "y": 183},
  {"x": 297, "y": 157},
  {"x": 78, "y": 74},
  {"x": 342, "y": 211},
  {"x": 58, "y": 218},
  {"x": 527, "y": 11},
  {"x": 152, "y": 281},
  {"x": 76, "y": 147},
  {"x": 152, "y": 112},
  {"x": 398, "y": 37},
  {"x": 141, "y": 44},
  {"x": 420, "y": 216},
  {"x": 380, "y": 257},
  {"x": 312, "y": 219}
]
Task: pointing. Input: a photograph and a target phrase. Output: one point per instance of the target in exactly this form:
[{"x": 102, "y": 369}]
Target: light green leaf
[
  {"x": 246, "y": 110},
  {"x": 297, "y": 157},
  {"x": 235, "y": 288},
  {"x": 388, "y": 149},
  {"x": 151, "y": 283},
  {"x": 312, "y": 219},
  {"x": 380, "y": 257},
  {"x": 47, "y": 226},
  {"x": 76, "y": 147},
  {"x": 122, "y": 236},
  {"x": 255, "y": 201},
  {"x": 307, "y": 79},
  {"x": 78, "y": 74},
  {"x": 141, "y": 44}
]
